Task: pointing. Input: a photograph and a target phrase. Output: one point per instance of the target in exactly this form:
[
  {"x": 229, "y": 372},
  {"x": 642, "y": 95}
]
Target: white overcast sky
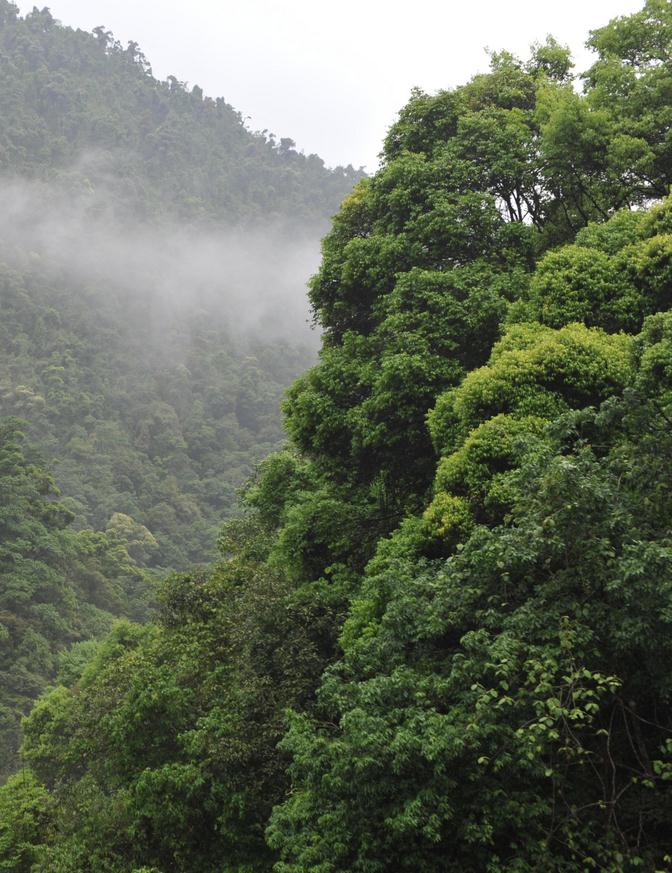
[{"x": 333, "y": 75}]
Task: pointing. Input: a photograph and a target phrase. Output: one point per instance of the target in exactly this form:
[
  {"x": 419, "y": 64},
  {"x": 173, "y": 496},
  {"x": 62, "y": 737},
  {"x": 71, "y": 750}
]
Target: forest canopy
[
  {"x": 153, "y": 252},
  {"x": 438, "y": 635}
]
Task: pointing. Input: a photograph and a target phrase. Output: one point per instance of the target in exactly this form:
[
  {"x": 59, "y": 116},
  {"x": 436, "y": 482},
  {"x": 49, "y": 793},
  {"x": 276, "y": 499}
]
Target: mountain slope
[
  {"x": 79, "y": 106},
  {"x": 145, "y": 338},
  {"x": 153, "y": 257}
]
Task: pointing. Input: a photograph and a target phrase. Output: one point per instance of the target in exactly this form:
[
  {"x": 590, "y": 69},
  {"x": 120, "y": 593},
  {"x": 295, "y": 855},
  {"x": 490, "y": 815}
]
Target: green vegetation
[
  {"x": 58, "y": 587},
  {"x": 134, "y": 342},
  {"x": 163, "y": 437},
  {"x": 439, "y": 636},
  {"x": 151, "y": 401},
  {"x": 80, "y": 108}
]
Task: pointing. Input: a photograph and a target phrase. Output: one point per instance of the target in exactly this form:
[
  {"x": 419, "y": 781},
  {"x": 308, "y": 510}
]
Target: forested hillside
[
  {"x": 59, "y": 588},
  {"x": 133, "y": 330},
  {"x": 153, "y": 260},
  {"x": 439, "y": 637},
  {"x": 81, "y": 108}
]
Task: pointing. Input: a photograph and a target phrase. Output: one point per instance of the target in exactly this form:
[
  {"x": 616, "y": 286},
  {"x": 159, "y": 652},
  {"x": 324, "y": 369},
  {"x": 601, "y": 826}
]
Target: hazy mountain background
[
  {"x": 154, "y": 259},
  {"x": 154, "y": 254}
]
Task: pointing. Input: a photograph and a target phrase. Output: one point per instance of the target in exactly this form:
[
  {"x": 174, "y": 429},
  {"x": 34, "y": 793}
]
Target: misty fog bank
[{"x": 254, "y": 281}]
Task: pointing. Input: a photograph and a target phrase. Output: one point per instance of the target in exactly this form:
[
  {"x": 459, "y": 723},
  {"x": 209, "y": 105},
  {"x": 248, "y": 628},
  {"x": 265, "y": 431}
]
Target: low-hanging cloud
[{"x": 254, "y": 280}]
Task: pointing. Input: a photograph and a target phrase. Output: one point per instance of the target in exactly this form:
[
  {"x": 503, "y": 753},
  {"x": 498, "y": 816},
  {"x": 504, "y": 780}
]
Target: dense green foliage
[
  {"x": 57, "y": 586},
  {"x": 80, "y": 107},
  {"x": 162, "y": 435},
  {"x": 150, "y": 397},
  {"x": 439, "y": 637}
]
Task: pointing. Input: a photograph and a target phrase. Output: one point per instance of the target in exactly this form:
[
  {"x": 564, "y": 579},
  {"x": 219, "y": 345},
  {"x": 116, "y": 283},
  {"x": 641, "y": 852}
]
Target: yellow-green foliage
[
  {"x": 478, "y": 470},
  {"x": 577, "y": 283},
  {"x": 614, "y": 275},
  {"x": 535, "y": 371},
  {"x": 654, "y": 352},
  {"x": 534, "y": 374},
  {"x": 623, "y": 228},
  {"x": 449, "y": 517},
  {"x": 649, "y": 263},
  {"x": 658, "y": 219},
  {"x": 487, "y": 450}
]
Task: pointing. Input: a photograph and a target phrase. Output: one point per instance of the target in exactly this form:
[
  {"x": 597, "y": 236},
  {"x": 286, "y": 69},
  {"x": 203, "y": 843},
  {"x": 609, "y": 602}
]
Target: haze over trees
[
  {"x": 438, "y": 637},
  {"x": 153, "y": 256}
]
